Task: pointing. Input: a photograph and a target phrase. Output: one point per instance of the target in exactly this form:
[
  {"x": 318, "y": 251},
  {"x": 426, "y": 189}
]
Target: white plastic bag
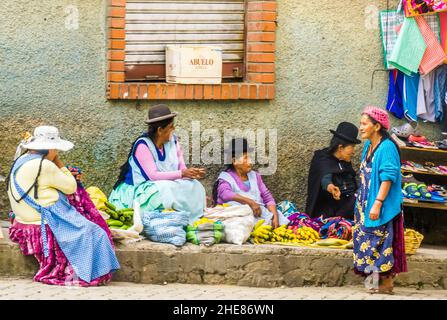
[
  {"x": 133, "y": 233},
  {"x": 238, "y": 222}
]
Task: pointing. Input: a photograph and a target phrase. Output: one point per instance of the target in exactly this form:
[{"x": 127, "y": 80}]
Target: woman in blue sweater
[{"x": 379, "y": 246}]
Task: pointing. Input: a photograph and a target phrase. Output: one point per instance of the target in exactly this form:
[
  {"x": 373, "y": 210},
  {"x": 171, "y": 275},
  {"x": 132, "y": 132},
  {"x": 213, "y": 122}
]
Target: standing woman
[
  {"x": 155, "y": 174},
  {"x": 379, "y": 232}
]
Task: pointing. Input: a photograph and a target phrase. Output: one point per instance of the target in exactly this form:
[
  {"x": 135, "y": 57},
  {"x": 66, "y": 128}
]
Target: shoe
[
  {"x": 411, "y": 190},
  {"x": 422, "y": 188}
]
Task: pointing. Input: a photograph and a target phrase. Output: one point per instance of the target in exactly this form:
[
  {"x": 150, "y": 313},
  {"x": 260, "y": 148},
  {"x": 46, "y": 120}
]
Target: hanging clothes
[
  {"x": 410, "y": 97},
  {"x": 389, "y": 20},
  {"x": 426, "y": 98},
  {"x": 443, "y": 34},
  {"x": 440, "y": 90},
  {"x": 434, "y": 54},
  {"x": 395, "y": 93},
  {"x": 410, "y": 48}
]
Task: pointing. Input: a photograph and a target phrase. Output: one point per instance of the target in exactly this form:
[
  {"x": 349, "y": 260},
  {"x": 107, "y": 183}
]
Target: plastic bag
[
  {"x": 133, "y": 233},
  {"x": 166, "y": 227},
  {"x": 238, "y": 222},
  {"x": 207, "y": 233}
]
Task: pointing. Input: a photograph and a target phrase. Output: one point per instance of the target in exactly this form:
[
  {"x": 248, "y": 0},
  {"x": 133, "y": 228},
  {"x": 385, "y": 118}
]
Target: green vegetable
[
  {"x": 110, "y": 205},
  {"x": 114, "y": 223}
]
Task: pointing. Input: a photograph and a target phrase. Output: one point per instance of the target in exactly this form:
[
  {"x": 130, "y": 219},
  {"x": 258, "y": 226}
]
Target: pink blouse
[{"x": 147, "y": 162}]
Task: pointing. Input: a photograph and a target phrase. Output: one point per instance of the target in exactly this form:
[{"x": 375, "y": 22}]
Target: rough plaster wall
[{"x": 52, "y": 75}]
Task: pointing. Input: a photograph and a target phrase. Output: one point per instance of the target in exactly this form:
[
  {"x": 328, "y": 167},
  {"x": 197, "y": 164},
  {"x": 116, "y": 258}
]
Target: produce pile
[
  {"x": 119, "y": 219},
  {"x": 292, "y": 234}
]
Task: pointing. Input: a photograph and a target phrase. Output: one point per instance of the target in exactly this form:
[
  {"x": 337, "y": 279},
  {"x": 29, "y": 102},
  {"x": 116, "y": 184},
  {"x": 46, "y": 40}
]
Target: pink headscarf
[{"x": 380, "y": 115}]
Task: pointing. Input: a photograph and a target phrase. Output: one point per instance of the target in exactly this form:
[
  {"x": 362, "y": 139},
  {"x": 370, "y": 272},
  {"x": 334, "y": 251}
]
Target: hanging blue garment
[
  {"x": 440, "y": 89},
  {"x": 84, "y": 243},
  {"x": 395, "y": 92},
  {"x": 410, "y": 97}
]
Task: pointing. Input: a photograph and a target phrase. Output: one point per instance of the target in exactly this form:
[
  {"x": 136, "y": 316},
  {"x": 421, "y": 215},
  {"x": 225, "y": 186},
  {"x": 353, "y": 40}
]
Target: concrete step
[{"x": 246, "y": 265}]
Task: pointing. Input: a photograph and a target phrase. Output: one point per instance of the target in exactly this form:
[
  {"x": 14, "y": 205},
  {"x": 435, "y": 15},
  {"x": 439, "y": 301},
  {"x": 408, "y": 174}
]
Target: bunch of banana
[
  {"x": 119, "y": 219},
  {"x": 261, "y": 233},
  {"x": 305, "y": 235},
  {"x": 281, "y": 234}
]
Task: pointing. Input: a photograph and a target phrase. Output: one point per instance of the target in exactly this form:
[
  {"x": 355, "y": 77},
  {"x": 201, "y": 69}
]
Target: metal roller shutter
[{"x": 153, "y": 24}]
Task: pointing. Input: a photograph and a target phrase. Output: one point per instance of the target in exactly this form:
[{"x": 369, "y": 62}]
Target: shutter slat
[
  {"x": 179, "y": 28},
  {"x": 158, "y": 57},
  {"x": 153, "y": 24}
]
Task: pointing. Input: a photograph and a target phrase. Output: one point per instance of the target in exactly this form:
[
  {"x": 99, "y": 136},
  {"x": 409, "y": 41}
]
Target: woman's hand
[
  {"x": 275, "y": 222},
  {"x": 375, "y": 211},
  {"x": 255, "y": 207},
  {"x": 193, "y": 173},
  {"x": 334, "y": 190}
]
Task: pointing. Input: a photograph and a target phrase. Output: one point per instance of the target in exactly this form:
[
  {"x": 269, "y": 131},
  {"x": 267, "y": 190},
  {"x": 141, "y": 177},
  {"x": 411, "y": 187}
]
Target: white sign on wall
[{"x": 193, "y": 64}]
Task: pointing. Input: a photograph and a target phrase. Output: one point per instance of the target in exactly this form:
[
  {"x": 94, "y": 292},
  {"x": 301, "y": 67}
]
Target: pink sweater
[
  {"x": 225, "y": 193},
  {"x": 147, "y": 162}
]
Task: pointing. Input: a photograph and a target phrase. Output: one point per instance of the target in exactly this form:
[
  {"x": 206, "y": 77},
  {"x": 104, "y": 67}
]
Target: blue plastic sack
[
  {"x": 287, "y": 208},
  {"x": 166, "y": 227}
]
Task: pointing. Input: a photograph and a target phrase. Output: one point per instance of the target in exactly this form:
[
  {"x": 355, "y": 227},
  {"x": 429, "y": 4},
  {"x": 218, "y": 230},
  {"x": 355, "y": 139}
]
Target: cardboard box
[{"x": 193, "y": 64}]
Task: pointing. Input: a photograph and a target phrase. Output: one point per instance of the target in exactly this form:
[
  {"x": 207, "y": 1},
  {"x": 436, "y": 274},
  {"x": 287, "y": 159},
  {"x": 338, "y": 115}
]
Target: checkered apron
[{"x": 85, "y": 244}]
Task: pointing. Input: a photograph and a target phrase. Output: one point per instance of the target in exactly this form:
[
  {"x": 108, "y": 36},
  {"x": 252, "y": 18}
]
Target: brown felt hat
[{"x": 159, "y": 112}]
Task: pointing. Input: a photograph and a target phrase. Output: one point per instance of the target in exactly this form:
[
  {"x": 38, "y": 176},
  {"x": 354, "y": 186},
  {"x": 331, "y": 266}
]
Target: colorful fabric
[
  {"x": 378, "y": 114},
  {"x": 414, "y": 8},
  {"x": 434, "y": 54},
  {"x": 287, "y": 208},
  {"x": 395, "y": 94},
  {"x": 86, "y": 245},
  {"x": 373, "y": 246},
  {"x": 206, "y": 233},
  {"x": 389, "y": 21},
  {"x": 443, "y": 31},
  {"x": 166, "y": 227},
  {"x": 409, "y": 49},
  {"x": 300, "y": 219},
  {"x": 336, "y": 227},
  {"x": 385, "y": 167}
]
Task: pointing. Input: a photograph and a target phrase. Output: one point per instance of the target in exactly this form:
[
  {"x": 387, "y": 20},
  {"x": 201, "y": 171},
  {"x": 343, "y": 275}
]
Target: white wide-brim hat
[{"x": 47, "y": 138}]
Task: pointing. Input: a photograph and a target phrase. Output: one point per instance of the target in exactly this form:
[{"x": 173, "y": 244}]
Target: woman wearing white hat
[{"x": 67, "y": 245}]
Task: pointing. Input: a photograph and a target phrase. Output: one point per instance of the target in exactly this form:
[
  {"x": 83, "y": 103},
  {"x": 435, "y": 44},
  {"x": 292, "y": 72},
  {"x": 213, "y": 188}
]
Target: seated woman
[
  {"x": 72, "y": 247},
  {"x": 332, "y": 180},
  {"x": 155, "y": 174},
  {"x": 239, "y": 184}
]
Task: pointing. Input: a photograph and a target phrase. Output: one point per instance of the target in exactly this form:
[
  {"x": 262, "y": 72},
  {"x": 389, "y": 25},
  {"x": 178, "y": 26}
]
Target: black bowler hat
[
  {"x": 238, "y": 146},
  {"x": 347, "y": 132},
  {"x": 158, "y": 113}
]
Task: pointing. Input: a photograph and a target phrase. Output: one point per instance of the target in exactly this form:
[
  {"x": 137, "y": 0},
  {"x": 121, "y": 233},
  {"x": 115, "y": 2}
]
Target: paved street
[{"x": 15, "y": 288}]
